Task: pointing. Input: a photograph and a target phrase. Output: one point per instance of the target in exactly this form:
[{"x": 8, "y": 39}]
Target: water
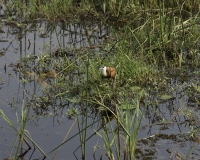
[
  {"x": 161, "y": 120},
  {"x": 45, "y": 131}
]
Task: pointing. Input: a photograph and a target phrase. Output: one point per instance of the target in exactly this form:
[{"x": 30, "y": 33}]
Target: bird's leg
[{"x": 113, "y": 84}]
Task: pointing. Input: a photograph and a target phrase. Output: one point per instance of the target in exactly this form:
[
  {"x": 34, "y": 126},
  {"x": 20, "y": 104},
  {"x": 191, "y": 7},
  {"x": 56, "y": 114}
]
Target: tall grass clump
[
  {"x": 132, "y": 66},
  {"x": 157, "y": 30},
  {"x": 163, "y": 32},
  {"x": 129, "y": 115},
  {"x": 118, "y": 10}
]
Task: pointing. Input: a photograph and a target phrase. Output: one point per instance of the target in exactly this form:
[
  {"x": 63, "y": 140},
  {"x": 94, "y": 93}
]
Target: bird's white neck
[{"x": 104, "y": 73}]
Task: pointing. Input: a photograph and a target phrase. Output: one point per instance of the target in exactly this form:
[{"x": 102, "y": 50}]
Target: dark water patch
[
  {"x": 19, "y": 88},
  {"x": 171, "y": 121},
  {"x": 164, "y": 146}
]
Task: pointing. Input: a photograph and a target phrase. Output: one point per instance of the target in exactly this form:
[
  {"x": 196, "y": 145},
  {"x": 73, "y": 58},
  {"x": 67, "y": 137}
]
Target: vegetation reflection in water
[{"x": 142, "y": 42}]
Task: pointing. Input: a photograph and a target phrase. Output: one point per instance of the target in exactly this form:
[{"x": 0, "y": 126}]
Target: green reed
[
  {"x": 130, "y": 117},
  {"x": 158, "y": 26},
  {"x": 22, "y": 134}
]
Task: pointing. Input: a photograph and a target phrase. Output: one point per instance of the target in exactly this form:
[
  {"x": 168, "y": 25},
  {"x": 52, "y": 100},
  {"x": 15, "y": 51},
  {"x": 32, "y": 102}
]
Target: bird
[{"x": 109, "y": 72}]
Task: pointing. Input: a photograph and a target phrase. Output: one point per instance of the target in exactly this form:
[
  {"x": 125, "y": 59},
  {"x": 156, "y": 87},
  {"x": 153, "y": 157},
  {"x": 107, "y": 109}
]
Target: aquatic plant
[
  {"x": 130, "y": 116},
  {"x": 22, "y": 134}
]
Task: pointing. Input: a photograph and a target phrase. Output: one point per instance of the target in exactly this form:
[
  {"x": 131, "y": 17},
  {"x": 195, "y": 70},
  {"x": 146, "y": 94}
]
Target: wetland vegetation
[{"x": 154, "y": 46}]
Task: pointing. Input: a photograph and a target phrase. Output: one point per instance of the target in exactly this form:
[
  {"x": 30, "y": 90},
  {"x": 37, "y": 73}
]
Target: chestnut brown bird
[{"x": 109, "y": 72}]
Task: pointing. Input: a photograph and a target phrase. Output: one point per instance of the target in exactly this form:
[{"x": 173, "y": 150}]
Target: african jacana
[{"x": 109, "y": 72}]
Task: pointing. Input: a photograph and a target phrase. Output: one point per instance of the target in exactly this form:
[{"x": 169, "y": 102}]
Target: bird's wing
[{"x": 108, "y": 71}]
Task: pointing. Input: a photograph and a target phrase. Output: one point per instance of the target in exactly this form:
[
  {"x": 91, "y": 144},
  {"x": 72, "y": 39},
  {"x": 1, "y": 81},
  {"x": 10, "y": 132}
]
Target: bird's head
[
  {"x": 103, "y": 71},
  {"x": 102, "y": 68}
]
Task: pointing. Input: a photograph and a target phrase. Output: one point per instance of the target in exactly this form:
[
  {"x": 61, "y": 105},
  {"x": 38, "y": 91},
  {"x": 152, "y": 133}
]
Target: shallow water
[
  {"x": 45, "y": 131},
  {"x": 48, "y": 132}
]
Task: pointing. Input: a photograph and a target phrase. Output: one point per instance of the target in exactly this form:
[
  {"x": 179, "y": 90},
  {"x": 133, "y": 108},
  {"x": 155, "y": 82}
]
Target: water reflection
[{"x": 22, "y": 45}]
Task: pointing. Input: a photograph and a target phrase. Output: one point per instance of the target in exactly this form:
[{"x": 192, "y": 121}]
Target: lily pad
[{"x": 165, "y": 97}]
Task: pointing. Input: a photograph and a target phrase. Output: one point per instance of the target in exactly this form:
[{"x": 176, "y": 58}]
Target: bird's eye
[{"x": 102, "y": 67}]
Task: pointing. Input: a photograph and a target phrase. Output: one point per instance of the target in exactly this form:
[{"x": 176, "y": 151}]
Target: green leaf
[
  {"x": 197, "y": 87},
  {"x": 74, "y": 99},
  {"x": 164, "y": 97},
  {"x": 126, "y": 106},
  {"x": 135, "y": 88}
]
